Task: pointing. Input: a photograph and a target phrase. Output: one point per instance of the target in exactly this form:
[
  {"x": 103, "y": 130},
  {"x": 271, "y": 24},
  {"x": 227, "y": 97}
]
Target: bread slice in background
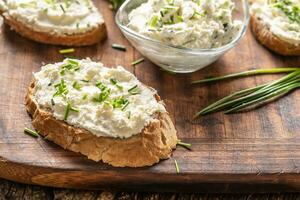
[
  {"x": 155, "y": 142},
  {"x": 267, "y": 38},
  {"x": 90, "y": 37}
]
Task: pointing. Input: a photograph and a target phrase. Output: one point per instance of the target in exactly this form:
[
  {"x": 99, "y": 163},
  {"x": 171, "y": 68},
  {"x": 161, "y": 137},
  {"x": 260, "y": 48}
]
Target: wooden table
[
  {"x": 257, "y": 150},
  {"x": 12, "y": 190}
]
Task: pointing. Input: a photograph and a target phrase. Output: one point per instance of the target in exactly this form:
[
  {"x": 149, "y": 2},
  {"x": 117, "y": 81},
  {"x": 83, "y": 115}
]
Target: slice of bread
[
  {"x": 267, "y": 38},
  {"x": 155, "y": 142},
  {"x": 90, "y": 37}
]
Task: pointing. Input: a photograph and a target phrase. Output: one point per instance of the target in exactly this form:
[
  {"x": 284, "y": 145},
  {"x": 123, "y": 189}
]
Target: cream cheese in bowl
[
  {"x": 199, "y": 24},
  {"x": 183, "y": 35}
]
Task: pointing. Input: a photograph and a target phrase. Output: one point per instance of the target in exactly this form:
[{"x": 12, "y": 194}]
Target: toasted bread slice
[
  {"x": 155, "y": 142},
  {"x": 271, "y": 41},
  {"x": 90, "y": 37}
]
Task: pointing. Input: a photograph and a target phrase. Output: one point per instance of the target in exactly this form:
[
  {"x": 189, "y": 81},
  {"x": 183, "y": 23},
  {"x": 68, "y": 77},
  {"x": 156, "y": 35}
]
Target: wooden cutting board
[{"x": 253, "y": 151}]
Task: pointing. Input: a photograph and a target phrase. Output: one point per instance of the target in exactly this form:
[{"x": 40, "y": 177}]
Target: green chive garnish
[
  {"x": 65, "y": 51},
  {"x": 31, "y": 132},
  {"x": 153, "y": 21},
  {"x": 125, "y": 106},
  {"x": 62, "y": 8},
  {"x": 134, "y": 90},
  {"x": 176, "y": 166},
  {"x": 76, "y": 85},
  {"x": 186, "y": 145},
  {"x": 84, "y": 97},
  {"x": 137, "y": 61},
  {"x": 115, "y": 82},
  {"x": 118, "y": 47},
  {"x": 68, "y": 109}
]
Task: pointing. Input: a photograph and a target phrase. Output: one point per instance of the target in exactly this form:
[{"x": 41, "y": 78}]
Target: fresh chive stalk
[
  {"x": 246, "y": 73},
  {"x": 186, "y": 145},
  {"x": 256, "y": 96},
  {"x": 138, "y": 61},
  {"x": 31, "y": 132},
  {"x": 118, "y": 47},
  {"x": 65, "y": 51},
  {"x": 176, "y": 166}
]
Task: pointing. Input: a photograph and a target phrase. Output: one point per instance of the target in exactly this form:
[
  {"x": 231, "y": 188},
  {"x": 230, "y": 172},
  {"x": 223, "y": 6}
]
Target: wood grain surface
[
  {"x": 11, "y": 190},
  {"x": 254, "y": 151}
]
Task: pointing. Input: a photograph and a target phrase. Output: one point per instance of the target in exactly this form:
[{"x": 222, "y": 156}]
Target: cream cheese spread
[
  {"x": 54, "y": 16},
  {"x": 281, "y": 16},
  {"x": 108, "y": 102},
  {"x": 201, "y": 24}
]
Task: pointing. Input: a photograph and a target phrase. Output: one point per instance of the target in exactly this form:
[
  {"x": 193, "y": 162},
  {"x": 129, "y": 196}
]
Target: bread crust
[
  {"x": 155, "y": 142},
  {"x": 89, "y": 38},
  {"x": 271, "y": 41}
]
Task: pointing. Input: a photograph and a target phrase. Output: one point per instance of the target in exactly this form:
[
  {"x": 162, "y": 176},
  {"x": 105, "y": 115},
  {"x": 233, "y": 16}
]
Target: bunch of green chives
[{"x": 255, "y": 96}]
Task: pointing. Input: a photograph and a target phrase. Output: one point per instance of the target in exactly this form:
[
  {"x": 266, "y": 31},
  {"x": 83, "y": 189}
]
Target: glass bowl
[{"x": 172, "y": 58}]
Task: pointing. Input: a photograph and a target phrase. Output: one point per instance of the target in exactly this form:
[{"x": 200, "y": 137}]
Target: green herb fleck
[
  {"x": 31, "y": 132},
  {"x": 62, "y": 8},
  {"x": 65, "y": 51},
  {"x": 84, "y": 97},
  {"x": 176, "y": 166},
  {"x": 134, "y": 90},
  {"x": 68, "y": 109},
  {"x": 115, "y": 82},
  {"x": 102, "y": 96},
  {"x": 118, "y": 47},
  {"x": 61, "y": 89},
  {"x": 119, "y": 102},
  {"x": 137, "y": 61},
  {"x": 186, "y": 145},
  {"x": 76, "y": 85}
]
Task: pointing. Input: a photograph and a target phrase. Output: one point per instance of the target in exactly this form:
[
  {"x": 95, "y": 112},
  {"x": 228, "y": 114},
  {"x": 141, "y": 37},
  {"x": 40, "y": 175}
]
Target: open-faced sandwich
[
  {"x": 104, "y": 113},
  {"x": 68, "y": 22},
  {"x": 276, "y": 24}
]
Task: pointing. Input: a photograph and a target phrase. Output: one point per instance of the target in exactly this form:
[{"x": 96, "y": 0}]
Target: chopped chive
[
  {"x": 31, "y": 132},
  {"x": 74, "y": 109},
  {"x": 134, "y": 90},
  {"x": 129, "y": 114},
  {"x": 67, "y": 111},
  {"x": 84, "y": 97},
  {"x": 125, "y": 106},
  {"x": 136, "y": 62},
  {"x": 115, "y": 82},
  {"x": 76, "y": 85},
  {"x": 64, "y": 51},
  {"x": 86, "y": 81},
  {"x": 176, "y": 166},
  {"x": 118, "y": 47},
  {"x": 154, "y": 21},
  {"x": 186, "y": 145},
  {"x": 52, "y": 102},
  {"x": 62, "y": 8}
]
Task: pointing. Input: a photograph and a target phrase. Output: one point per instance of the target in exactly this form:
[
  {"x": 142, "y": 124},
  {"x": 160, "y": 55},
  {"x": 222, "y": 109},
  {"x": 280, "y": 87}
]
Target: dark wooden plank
[{"x": 256, "y": 150}]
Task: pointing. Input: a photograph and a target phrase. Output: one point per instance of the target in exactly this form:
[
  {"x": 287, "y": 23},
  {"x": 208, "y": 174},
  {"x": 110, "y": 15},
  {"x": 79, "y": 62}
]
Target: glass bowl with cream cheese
[{"x": 183, "y": 36}]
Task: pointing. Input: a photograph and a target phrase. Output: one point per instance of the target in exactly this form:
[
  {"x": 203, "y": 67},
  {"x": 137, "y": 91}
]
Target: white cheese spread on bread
[
  {"x": 281, "y": 16},
  {"x": 66, "y": 17},
  {"x": 109, "y": 102},
  {"x": 201, "y": 24}
]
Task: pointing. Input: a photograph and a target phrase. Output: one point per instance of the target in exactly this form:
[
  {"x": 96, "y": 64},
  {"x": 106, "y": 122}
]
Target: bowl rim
[{"x": 184, "y": 49}]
